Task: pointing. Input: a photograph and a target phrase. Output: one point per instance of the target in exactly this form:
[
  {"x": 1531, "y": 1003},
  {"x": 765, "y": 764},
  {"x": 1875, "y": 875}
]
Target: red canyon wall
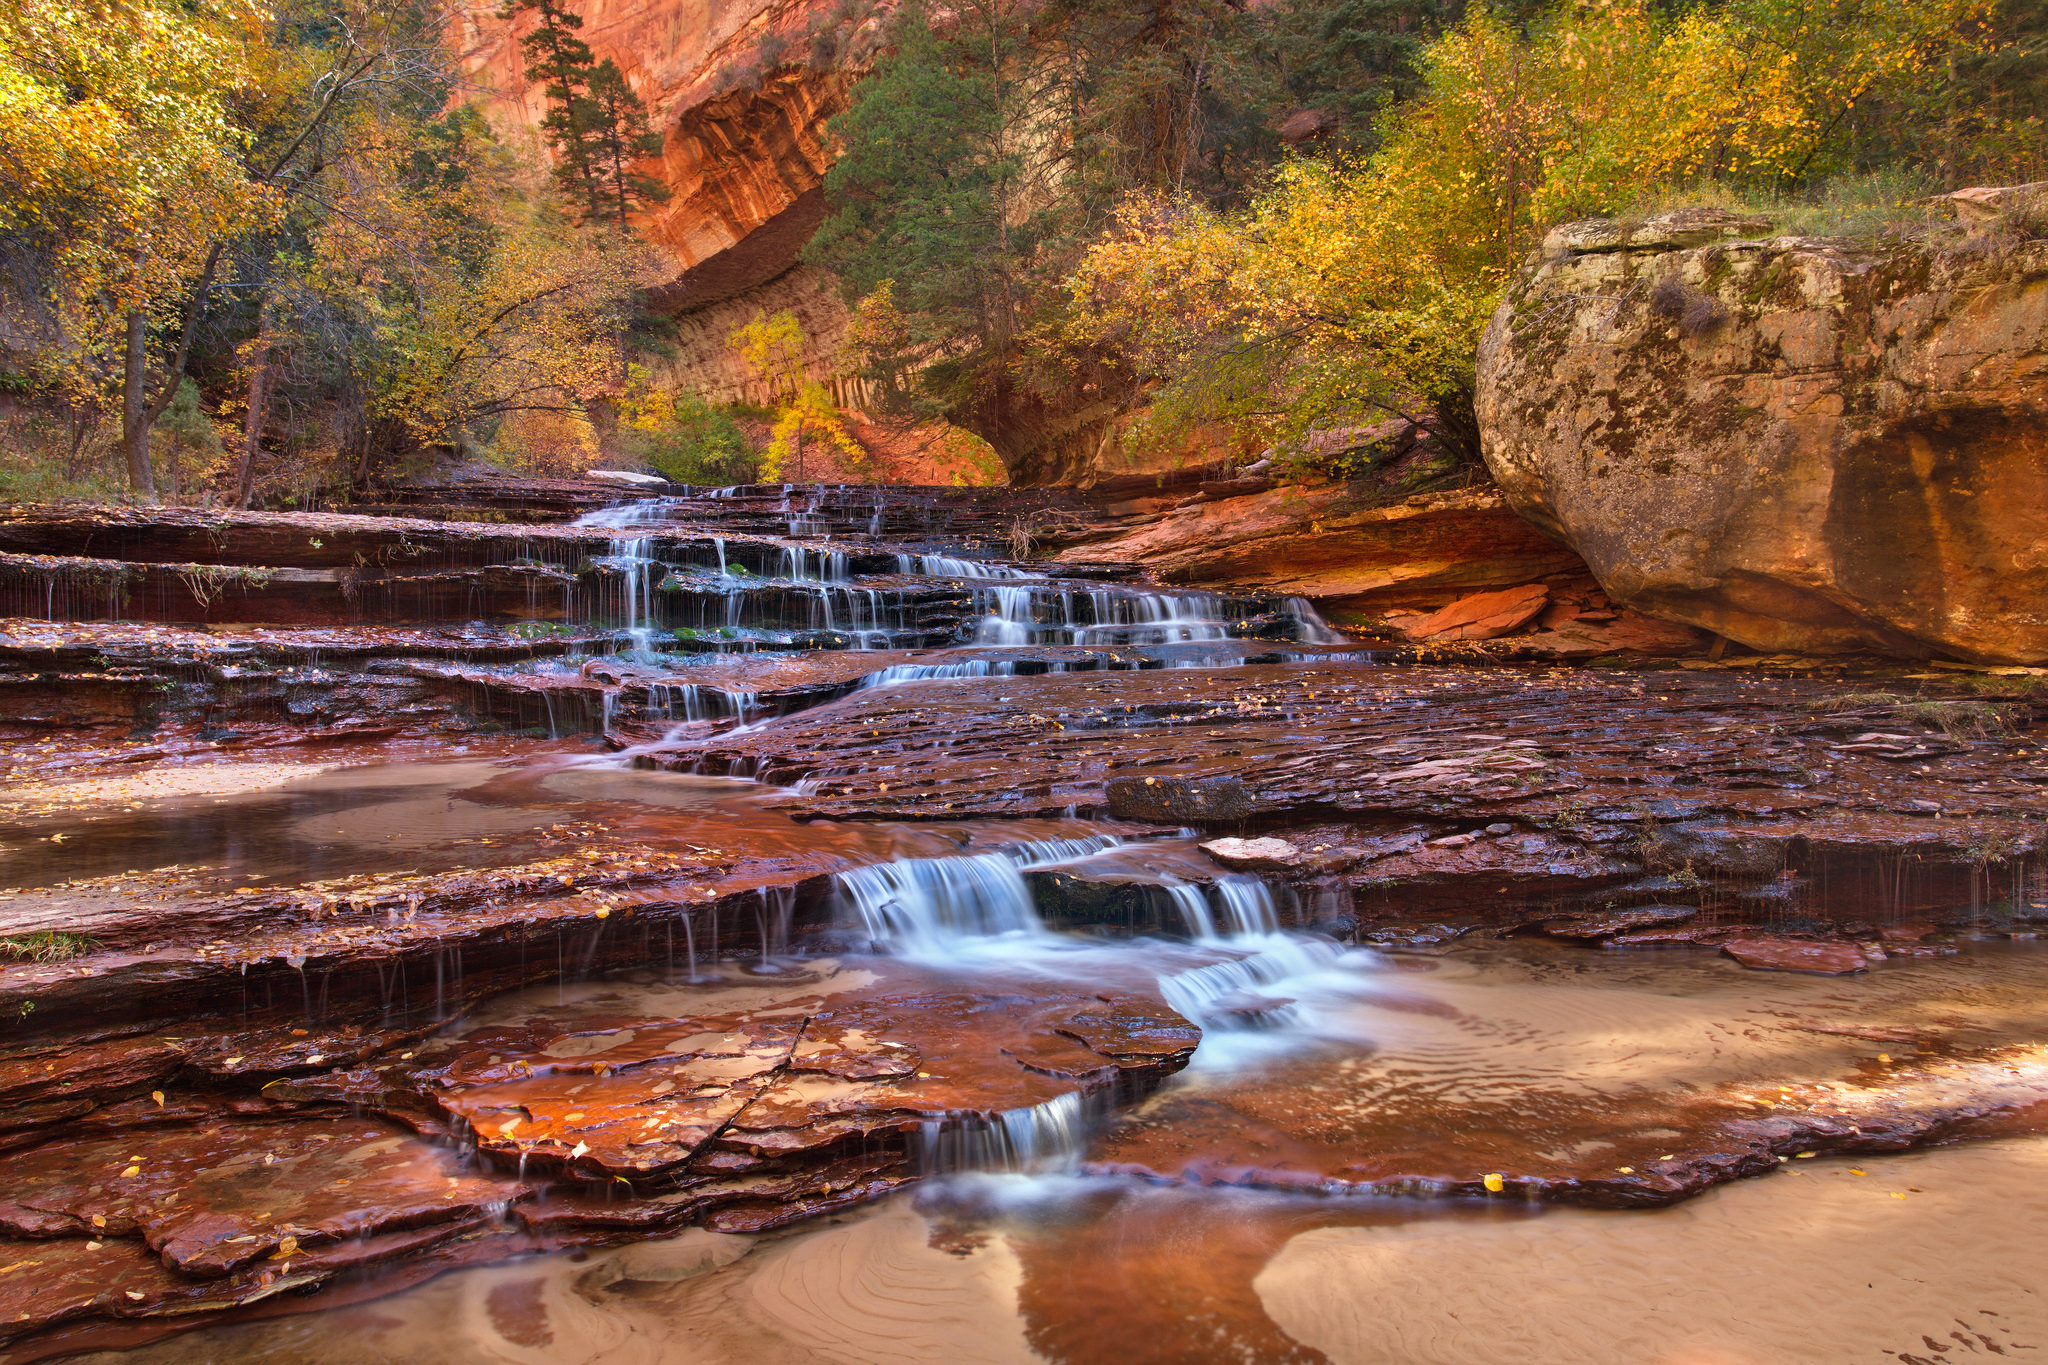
[{"x": 743, "y": 164}]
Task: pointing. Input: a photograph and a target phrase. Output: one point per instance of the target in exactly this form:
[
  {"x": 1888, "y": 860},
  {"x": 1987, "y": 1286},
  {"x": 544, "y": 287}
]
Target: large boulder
[{"x": 1799, "y": 444}]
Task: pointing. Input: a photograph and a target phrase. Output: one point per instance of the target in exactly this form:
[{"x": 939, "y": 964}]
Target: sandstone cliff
[
  {"x": 1800, "y": 444},
  {"x": 744, "y": 157}
]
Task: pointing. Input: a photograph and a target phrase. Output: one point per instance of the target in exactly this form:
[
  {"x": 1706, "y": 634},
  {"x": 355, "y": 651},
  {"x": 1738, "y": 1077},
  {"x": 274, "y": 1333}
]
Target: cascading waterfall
[
  {"x": 1192, "y": 902},
  {"x": 1203, "y": 993},
  {"x": 898, "y": 674},
  {"x": 697, "y": 701},
  {"x": 633, "y": 556},
  {"x": 1247, "y": 905},
  {"x": 1311, "y": 628},
  {"x": 1034, "y": 615},
  {"x": 1042, "y": 1139},
  {"x": 833, "y": 566},
  {"x": 946, "y": 566},
  {"x": 930, "y": 906}
]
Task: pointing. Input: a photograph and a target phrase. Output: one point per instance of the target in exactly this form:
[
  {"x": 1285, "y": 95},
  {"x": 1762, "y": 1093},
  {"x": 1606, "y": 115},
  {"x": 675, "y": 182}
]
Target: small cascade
[
  {"x": 1312, "y": 628},
  {"x": 928, "y": 906},
  {"x": 633, "y": 557},
  {"x": 1042, "y": 1139},
  {"x": 697, "y": 701},
  {"x": 898, "y": 674},
  {"x": 1225, "y": 995},
  {"x": 777, "y": 911},
  {"x": 1038, "y": 615},
  {"x": 1247, "y": 906},
  {"x": 946, "y": 566},
  {"x": 1192, "y": 904},
  {"x": 815, "y": 566},
  {"x": 869, "y": 615}
]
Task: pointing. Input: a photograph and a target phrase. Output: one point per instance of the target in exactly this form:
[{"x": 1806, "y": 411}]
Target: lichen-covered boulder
[{"x": 1799, "y": 444}]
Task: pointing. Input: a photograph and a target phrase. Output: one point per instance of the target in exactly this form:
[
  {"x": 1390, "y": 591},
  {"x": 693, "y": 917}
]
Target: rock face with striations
[{"x": 1797, "y": 443}]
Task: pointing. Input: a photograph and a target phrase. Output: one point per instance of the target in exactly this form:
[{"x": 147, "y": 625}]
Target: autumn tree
[
  {"x": 773, "y": 348},
  {"x": 1356, "y": 289}
]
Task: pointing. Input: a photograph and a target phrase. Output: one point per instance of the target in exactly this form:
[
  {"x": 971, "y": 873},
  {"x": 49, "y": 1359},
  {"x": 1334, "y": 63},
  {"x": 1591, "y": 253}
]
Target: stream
[{"x": 770, "y": 925}]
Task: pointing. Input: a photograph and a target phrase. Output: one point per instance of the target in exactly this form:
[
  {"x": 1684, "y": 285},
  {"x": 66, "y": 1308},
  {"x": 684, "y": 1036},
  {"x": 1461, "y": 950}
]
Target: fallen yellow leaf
[{"x": 1495, "y": 1183}]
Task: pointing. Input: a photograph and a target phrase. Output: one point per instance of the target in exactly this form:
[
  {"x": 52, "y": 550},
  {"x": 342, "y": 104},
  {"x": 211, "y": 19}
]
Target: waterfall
[
  {"x": 633, "y": 556},
  {"x": 1310, "y": 627},
  {"x": 1193, "y": 904},
  {"x": 1203, "y": 993},
  {"x": 1034, "y": 615},
  {"x": 1044, "y": 1137},
  {"x": 928, "y": 906},
  {"x": 833, "y": 565},
  {"x": 696, "y": 701},
  {"x": 1247, "y": 906},
  {"x": 898, "y": 674},
  {"x": 946, "y": 566}
]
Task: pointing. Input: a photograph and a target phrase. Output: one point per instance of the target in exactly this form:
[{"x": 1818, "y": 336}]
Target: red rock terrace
[{"x": 389, "y": 894}]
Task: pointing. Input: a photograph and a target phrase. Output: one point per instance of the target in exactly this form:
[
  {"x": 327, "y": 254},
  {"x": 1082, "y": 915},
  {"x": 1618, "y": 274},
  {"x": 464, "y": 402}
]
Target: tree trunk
[
  {"x": 252, "y": 425},
  {"x": 135, "y": 411}
]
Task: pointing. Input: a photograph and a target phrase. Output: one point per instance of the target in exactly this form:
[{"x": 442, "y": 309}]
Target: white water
[
  {"x": 898, "y": 674},
  {"x": 927, "y": 907},
  {"x": 1042, "y": 1139},
  {"x": 1203, "y": 994},
  {"x": 946, "y": 566},
  {"x": 696, "y": 701},
  {"x": 633, "y": 556},
  {"x": 1037, "y": 615}
]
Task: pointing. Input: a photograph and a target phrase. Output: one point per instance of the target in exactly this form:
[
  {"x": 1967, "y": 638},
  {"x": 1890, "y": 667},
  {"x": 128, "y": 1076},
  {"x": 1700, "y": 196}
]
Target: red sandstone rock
[
  {"x": 1323, "y": 544},
  {"x": 1740, "y": 458},
  {"x": 1907, "y": 933},
  {"x": 1254, "y": 855},
  {"x": 1618, "y": 921},
  {"x": 1796, "y": 955},
  {"x": 1483, "y": 616}
]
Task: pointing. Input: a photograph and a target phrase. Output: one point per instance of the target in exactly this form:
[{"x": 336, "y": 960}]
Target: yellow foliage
[
  {"x": 773, "y": 347},
  {"x": 1349, "y": 292},
  {"x": 811, "y": 411},
  {"x": 115, "y": 130}
]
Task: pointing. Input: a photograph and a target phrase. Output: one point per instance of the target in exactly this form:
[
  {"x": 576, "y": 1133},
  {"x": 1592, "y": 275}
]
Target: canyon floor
[{"x": 776, "y": 924}]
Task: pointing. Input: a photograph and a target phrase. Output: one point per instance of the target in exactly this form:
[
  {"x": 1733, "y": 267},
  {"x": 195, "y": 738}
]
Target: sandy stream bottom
[{"x": 1931, "y": 1256}]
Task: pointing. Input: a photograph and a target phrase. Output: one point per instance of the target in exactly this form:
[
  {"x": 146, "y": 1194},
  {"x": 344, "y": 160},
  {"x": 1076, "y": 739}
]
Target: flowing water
[{"x": 1302, "y": 1191}]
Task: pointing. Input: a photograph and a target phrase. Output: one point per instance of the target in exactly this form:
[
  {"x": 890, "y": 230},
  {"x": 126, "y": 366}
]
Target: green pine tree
[
  {"x": 612, "y": 123},
  {"x": 561, "y": 63}
]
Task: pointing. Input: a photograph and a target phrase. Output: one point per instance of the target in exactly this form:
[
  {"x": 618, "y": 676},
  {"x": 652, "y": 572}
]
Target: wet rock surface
[
  {"x": 733, "y": 860},
  {"x": 1610, "y": 1095}
]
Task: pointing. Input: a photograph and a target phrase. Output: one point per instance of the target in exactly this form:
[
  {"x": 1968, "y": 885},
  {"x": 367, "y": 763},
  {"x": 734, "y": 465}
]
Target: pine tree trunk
[{"x": 135, "y": 410}]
